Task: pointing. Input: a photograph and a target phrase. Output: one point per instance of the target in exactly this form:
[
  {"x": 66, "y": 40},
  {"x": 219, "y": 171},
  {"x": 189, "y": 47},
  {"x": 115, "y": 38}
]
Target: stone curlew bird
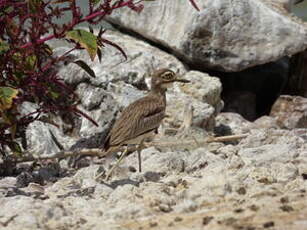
[{"x": 141, "y": 119}]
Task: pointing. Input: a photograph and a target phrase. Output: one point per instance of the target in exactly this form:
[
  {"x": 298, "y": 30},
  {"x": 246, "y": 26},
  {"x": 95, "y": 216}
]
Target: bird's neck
[{"x": 158, "y": 92}]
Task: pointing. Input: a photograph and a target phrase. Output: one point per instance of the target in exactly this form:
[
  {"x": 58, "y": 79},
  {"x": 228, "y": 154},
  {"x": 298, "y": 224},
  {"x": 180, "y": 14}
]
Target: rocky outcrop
[
  {"x": 119, "y": 82},
  {"x": 202, "y": 96},
  {"x": 258, "y": 182},
  {"x": 290, "y": 112},
  {"x": 223, "y": 35},
  {"x": 255, "y": 184}
]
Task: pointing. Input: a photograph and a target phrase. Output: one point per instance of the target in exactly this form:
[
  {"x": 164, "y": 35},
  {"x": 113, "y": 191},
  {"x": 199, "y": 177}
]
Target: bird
[{"x": 142, "y": 118}]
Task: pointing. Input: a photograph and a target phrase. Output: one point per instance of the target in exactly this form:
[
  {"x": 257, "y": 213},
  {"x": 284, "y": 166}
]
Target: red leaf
[
  {"x": 114, "y": 45},
  {"x": 194, "y": 4},
  {"x": 84, "y": 115}
]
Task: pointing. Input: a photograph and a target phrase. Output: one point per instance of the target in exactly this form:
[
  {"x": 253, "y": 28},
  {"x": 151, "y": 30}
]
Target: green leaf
[
  {"x": 7, "y": 94},
  {"x": 6, "y": 10},
  {"x": 54, "y": 95},
  {"x": 86, "y": 39},
  {"x": 15, "y": 147},
  {"x": 31, "y": 62},
  {"x": 34, "y": 5},
  {"x": 95, "y": 1},
  {"x": 84, "y": 66},
  {"x": 3, "y": 47}
]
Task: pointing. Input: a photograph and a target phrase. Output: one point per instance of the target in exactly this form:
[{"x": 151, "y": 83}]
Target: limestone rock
[
  {"x": 204, "y": 88},
  {"x": 290, "y": 112},
  {"x": 265, "y": 122},
  {"x": 200, "y": 99},
  {"x": 142, "y": 59},
  {"x": 203, "y": 113},
  {"x": 223, "y": 35},
  {"x": 247, "y": 185},
  {"x": 39, "y": 133},
  {"x": 118, "y": 82},
  {"x": 231, "y": 123}
]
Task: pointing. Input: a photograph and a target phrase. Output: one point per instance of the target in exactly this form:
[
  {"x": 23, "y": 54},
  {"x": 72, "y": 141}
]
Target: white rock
[
  {"x": 223, "y": 35},
  {"x": 118, "y": 82},
  {"x": 203, "y": 87}
]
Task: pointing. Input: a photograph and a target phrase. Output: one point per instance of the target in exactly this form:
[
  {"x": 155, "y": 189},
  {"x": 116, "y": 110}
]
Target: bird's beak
[{"x": 179, "y": 79}]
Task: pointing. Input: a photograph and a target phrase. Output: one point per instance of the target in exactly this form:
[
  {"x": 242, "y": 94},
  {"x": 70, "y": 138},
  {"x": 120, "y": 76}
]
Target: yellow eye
[{"x": 168, "y": 76}]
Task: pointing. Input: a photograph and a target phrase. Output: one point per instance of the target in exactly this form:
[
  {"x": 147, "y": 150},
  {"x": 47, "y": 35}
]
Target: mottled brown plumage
[
  {"x": 140, "y": 117},
  {"x": 143, "y": 117}
]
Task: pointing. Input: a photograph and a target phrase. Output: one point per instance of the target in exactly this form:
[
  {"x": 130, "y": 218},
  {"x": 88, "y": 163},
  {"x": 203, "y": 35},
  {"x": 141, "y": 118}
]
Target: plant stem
[{"x": 78, "y": 21}]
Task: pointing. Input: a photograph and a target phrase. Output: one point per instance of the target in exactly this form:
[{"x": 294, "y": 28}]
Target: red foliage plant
[{"x": 27, "y": 72}]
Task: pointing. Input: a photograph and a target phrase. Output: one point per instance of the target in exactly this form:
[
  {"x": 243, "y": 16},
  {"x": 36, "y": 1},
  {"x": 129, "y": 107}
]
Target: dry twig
[{"x": 101, "y": 153}]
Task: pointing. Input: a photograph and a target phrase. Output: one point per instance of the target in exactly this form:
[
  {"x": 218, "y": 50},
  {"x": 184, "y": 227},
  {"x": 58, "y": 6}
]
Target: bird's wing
[{"x": 138, "y": 118}]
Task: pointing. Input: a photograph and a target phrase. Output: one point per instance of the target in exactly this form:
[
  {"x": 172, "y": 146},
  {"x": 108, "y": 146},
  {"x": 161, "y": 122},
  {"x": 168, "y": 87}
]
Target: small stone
[
  {"x": 228, "y": 221},
  {"x": 250, "y": 228},
  {"x": 207, "y": 220},
  {"x": 238, "y": 210},
  {"x": 153, "y": 224},
  {"x": 178, "y": 219},
  {"x": 132, "y": 169},
  {"x": 183, "y": 183},
  {"x": 83, "y": 221},
  {"x": 290, "y": 111},
  {"x": 284, "y": 200},
  {"x": 26, "y": 178},
  {"x": 254, "y": 208},
  {"x": 177, "y": 165},
  {"x": 228, "y": 123},
  {"x": 165, "y": 208},
  {"x": 265, "y": 181},
  {"x": 33, "y": 187},
  {"x": 241, "y": 191},
  {"x": 287, "y": 208},
  {"x": 269, "y": 224}
]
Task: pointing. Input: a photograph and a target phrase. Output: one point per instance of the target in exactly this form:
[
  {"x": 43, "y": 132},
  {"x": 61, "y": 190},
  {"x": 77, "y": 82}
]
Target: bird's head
[{"x": 164, "y": 78}]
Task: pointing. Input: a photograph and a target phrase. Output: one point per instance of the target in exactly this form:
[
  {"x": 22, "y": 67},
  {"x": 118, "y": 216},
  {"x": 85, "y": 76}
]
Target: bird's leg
[
  {"x": 187, "y": 120},
  {"x": 117, "y": 163},
  {"x": 139, "y": 150}
]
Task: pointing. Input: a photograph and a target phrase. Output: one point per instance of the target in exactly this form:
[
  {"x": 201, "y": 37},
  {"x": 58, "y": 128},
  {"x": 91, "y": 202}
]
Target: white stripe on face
[{"x": 168, "y": 75}]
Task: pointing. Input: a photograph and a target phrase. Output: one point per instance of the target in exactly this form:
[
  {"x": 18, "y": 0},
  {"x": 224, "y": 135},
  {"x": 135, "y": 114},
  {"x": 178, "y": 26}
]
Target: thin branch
[
  {"x": 200, "y": 142},
  {"x": 62, "y": 155},
  {"x": 78, "y": 21},
  {"x": 101, "y": 153}
]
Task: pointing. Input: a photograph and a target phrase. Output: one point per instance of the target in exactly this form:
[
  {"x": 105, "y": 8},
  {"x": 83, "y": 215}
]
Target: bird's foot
[
  {"x": 108, "y": 174},
  {"x": 100, "y": 173}
]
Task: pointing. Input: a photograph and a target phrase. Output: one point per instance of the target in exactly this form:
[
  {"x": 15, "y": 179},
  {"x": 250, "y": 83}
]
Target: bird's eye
[{"x": 168, "y": 76}]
